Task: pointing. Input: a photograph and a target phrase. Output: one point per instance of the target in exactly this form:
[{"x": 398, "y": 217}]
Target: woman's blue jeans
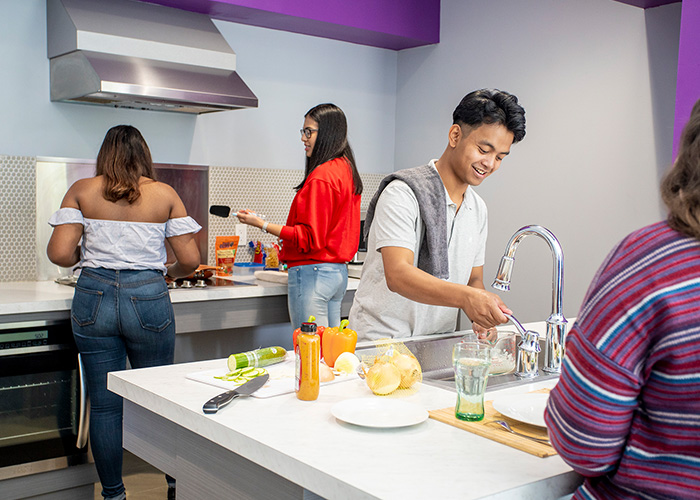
[
  {"x": 116, "y": 314},
  {"x": 316, "y": 290}
]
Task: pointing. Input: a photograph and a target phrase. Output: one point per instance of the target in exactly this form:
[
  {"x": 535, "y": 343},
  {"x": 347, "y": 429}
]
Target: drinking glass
[{"x": 471, "y": 361}]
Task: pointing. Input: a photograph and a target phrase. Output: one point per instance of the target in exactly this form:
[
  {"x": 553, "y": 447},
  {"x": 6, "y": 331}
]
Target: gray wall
[{"x": 599, "y": 107}]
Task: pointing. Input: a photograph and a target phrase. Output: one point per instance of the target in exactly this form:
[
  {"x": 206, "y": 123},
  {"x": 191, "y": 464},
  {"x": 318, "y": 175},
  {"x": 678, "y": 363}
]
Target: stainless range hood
[{"x": 125, "y": 53}]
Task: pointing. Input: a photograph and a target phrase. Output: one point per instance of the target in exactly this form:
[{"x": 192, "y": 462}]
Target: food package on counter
[
  {"x": 393, "y": 366},
  {"x": 225, "y": 251},
  {"x": 271, "y": 253}
]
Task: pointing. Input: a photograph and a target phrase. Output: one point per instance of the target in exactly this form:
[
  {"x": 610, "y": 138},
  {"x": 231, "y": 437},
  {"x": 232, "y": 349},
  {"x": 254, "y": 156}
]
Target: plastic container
[
  {"x": 503, "y": 354},
  {"x": 308, "y": 356},
  {"x": 246, "y": 268}
]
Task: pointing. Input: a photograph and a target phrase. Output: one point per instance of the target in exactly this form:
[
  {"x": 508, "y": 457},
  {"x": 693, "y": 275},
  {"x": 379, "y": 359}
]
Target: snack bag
[
  {"x": 272, "y": 256},
  {"x": 225, "y": 250}
]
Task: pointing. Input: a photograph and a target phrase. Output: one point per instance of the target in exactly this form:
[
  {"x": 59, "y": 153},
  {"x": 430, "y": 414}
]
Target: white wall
[
  {"x": 289, "y": 73},
  {"x": 588, "y": 166}
]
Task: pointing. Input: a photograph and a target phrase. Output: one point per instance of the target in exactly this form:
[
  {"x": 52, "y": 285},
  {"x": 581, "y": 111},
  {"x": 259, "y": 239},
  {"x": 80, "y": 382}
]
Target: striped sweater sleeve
[
  {"x": 590, "y": 411},
  {"x": 626, "y": 410}
]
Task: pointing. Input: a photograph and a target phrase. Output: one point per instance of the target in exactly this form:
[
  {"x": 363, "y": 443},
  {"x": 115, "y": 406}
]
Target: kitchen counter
[
  {"x": 281, "y": 447},
  {"x": 214, "y": 308}
]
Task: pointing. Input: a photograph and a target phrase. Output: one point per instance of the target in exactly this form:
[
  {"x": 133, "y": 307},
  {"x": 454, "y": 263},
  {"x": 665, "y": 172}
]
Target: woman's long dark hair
[
  {"x": 331, "y": 142},
  {"x": 123, "y": 159},
  {"x": 680, "y": 188}
]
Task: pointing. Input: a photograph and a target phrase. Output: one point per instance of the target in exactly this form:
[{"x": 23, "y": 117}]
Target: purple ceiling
[
  {"x": 647, "y": 4},
  {"x": 390, "y": 24}
]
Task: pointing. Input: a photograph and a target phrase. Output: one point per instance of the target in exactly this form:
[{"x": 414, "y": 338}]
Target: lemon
[{"x": 347, "y": 362}]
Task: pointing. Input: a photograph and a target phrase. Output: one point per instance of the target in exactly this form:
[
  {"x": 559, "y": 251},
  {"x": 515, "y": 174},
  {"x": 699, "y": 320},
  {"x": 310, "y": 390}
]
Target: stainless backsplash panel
[
  {"x": 17, "y": 218},
  {"x": 55, "y": 175}
]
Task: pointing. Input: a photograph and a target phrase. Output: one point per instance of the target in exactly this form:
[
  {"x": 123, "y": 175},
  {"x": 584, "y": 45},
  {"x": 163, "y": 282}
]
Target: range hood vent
[{"x": 124, "y": 53}]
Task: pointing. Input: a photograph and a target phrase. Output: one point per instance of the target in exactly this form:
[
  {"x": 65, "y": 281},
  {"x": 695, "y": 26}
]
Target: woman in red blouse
[{"x": 323, "y": 226}]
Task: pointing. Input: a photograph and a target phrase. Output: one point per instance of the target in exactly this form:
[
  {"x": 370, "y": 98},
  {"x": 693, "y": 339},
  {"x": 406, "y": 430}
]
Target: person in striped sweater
[{"x": 625, "y": 413}]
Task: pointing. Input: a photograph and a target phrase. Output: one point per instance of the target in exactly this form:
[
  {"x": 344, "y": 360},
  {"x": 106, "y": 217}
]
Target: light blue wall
[
  {"x": 31, "y": 125},
  {"x": 289, "y": 73}
]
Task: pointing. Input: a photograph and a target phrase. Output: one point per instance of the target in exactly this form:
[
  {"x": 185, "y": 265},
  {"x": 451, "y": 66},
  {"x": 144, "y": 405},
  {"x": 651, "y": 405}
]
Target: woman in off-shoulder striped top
[{"x": 114, "y": 225}]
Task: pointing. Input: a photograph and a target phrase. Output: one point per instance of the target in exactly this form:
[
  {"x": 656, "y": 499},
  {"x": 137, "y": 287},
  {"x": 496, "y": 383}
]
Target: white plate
[
  {"x": 379, "y": 412},
  {"x": 527, "y": 408}
]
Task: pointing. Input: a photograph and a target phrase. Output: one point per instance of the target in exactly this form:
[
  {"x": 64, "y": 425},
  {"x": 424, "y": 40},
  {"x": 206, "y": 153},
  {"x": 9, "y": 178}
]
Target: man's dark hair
[{"x": 487, "y": 106}]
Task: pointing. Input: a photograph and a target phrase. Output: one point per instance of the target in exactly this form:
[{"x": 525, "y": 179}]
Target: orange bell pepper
[
  {"x": 338, "y": 340},
  {"x": 319, "y": 330}
]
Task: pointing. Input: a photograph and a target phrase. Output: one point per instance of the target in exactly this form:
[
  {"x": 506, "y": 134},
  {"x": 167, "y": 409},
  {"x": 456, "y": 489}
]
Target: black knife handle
[{"x": 218, "y": 402}]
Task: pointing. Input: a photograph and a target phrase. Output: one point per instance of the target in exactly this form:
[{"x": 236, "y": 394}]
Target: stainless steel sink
[{"x": 434, "y": 353}]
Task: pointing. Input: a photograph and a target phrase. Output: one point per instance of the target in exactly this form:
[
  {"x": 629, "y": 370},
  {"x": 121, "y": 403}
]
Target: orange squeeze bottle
[{"x": 308, "y": 354}]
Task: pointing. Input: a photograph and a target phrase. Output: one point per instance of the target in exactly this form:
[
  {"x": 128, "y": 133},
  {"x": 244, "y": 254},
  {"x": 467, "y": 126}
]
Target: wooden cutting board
[{"x": 489, "y": 429}]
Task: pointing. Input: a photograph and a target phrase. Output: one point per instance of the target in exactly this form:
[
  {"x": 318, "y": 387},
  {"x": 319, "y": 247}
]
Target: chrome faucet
[{"x": 556, "y": 323}]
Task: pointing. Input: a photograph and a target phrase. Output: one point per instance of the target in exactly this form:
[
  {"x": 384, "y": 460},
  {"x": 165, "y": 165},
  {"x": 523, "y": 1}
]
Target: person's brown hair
[
  {"x": 680, "y": 188},
  {"x": 123, "y": 159}
]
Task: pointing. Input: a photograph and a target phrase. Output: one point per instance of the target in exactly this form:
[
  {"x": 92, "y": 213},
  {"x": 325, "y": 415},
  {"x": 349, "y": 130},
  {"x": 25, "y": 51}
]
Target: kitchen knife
[{"x": 218, "y": 402}]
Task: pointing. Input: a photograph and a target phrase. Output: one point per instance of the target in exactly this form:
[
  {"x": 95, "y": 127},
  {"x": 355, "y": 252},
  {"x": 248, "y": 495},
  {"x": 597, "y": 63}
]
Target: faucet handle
[
  {"x": 518, "y": 325},
  {"x": 527, "y": 355},
  {"x": 530, "y": 342}
]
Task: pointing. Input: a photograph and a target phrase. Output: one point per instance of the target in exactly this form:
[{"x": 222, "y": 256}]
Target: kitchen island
[{"x": 281, "y": 447}]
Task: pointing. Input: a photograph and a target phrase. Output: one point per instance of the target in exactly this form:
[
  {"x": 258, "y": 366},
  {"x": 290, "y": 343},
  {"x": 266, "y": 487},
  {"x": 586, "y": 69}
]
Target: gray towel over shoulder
[{"x": 430, "y": 193}]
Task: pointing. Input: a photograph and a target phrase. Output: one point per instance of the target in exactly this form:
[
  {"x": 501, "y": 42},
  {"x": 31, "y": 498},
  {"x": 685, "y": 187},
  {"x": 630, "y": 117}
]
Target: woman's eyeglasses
[{"x": 306, "y": 132}]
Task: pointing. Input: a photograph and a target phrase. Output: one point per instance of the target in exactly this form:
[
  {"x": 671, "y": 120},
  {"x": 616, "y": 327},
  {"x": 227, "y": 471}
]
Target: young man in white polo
[{"x": 427, "y": 231}]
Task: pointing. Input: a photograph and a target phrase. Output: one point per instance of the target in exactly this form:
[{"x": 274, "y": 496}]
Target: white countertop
[
  {"x": 19, "y": 297},
  {"x": 304, "y": 443}
]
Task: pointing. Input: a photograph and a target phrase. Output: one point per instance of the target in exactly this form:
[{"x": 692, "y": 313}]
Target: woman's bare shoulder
[
  {"x": 160, "y": 189},
  {"x": 81, "y": 190}
]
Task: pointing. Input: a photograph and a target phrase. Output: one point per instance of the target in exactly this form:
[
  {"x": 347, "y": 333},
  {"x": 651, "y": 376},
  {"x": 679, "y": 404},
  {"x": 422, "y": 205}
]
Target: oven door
[{"x": 43, "y": 403}]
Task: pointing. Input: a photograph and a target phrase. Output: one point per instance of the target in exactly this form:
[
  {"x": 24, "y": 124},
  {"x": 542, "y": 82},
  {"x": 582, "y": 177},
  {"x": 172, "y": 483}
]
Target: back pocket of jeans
[
  {"x": 154, "y": 313},
  {"x": 86, "y": 304}
]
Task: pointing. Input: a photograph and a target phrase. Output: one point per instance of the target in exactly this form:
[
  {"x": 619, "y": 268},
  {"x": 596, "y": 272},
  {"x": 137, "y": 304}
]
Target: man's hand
[
  {"x": 489, "y": 334},
  {"x": 484, "y": 308}
]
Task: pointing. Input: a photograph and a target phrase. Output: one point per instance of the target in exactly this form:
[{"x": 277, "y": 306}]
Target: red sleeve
[{"x": 312, "y": 211}]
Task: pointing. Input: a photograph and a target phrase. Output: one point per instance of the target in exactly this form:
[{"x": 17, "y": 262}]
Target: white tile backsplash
[{"x": 17, "y": 218}]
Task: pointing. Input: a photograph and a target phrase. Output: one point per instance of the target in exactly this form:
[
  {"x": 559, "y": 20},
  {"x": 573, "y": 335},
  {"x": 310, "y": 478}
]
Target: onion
[
  {"x": 325, "y": 374},
  {"x": 409, "y": 368},
  {"x": 383, "y": 378}
]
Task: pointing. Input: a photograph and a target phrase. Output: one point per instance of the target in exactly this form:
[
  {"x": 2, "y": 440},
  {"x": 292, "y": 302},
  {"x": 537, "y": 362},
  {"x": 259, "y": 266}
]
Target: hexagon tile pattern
[
  {"x": 268, "y": 192},
  {"x": 17, "y": 218}
]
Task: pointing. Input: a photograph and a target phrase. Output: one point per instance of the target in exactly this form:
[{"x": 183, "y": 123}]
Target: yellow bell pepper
[{"x": 338, "y": 340}]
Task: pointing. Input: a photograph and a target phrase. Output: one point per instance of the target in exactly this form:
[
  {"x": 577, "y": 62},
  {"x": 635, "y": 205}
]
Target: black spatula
[{"x": 220, "y": 210}]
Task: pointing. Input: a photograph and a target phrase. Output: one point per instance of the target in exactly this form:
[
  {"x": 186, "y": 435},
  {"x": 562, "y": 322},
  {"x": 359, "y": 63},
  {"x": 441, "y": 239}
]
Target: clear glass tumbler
[{"x": 471, "y": 362}]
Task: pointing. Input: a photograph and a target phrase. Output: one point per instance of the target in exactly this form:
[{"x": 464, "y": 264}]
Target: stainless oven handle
[{"x": 84, "y": 410}]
